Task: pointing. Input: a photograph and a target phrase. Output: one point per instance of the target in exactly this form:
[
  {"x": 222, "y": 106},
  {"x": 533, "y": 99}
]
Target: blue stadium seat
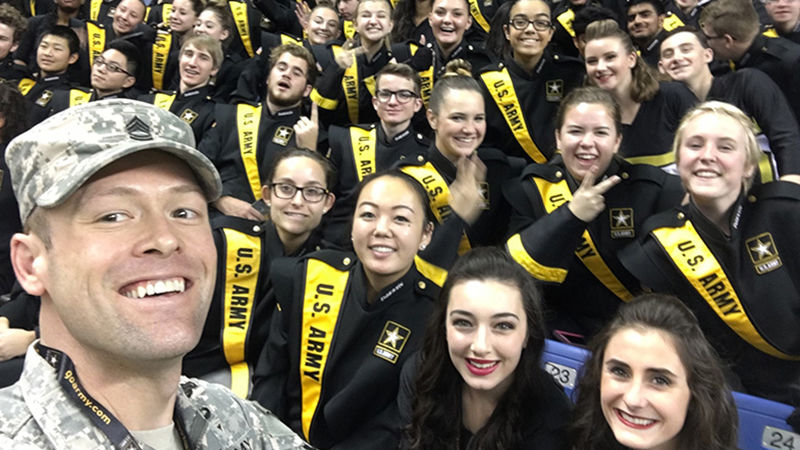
[
  {"x": 564, "y": 362},
  {"x": 762, "y": 424}
]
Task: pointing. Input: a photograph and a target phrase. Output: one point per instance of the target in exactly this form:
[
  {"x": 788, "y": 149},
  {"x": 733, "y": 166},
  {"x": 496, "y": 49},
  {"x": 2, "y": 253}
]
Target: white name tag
[
  {"x": 780, "y": 439},
  {"x": 567, "y": 376}
]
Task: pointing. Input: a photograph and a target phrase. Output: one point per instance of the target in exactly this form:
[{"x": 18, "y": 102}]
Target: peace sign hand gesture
[{"x": 588, "y": 201}]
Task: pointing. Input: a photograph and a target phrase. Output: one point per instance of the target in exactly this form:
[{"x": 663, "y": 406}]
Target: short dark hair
[
  {"x": 297, "y": 51},
  {"x": 657, "y": 5},
  {"x": 711, "y": 419},
  {"x": 588, "y": 14},
  {"x": 12, "y": 18},
  {"x": 14, "y": 109},
  {"x": 63, "y": 32},
  {"x": 400, "y": 70},
  {"x": 131, "y": 53}
]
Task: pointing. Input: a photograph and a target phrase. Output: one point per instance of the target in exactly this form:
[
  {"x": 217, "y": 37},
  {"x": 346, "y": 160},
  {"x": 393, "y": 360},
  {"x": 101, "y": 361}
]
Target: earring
[{"x": 422, "y": 247}]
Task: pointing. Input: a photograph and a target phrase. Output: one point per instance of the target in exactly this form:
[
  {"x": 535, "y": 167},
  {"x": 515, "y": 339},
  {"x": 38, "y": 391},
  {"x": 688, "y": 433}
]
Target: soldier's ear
[{"x": 29, "y": 259}]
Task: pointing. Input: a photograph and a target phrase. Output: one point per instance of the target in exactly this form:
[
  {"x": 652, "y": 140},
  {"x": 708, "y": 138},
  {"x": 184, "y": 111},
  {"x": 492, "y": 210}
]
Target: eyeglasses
[
  {"x": 402, "y": 96},
  {"x": 111, "y": 66},
  {"x": 521, "y": 23},
  {"x": 312, "y": 194}
]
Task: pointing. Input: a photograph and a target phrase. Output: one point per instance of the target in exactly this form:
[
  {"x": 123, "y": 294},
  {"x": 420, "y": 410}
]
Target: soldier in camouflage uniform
[{"x": 118, "y": 245}]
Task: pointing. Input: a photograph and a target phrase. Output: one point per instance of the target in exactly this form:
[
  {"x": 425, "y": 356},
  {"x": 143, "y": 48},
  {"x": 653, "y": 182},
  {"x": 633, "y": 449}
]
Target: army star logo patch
[
  {"x": 763, "y": 253},
  {"x": 391, "y": 342},
  {"x": 554, "y": 90},
  {"x": 621, "y": 223},
  {"x": 188, "y": 116},
  {"x": 282, "y": 136}
]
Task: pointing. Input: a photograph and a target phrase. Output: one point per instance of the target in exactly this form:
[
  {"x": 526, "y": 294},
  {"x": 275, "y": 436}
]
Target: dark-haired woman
[
  {"x": 478, "y": 382},
  {"x": 573, "y": 214},
  {"x": 347, "y": 322},
  {"x": 523, "y": 92},
  {"x": 651, "y": 110},
  {"x": 297, "y": 191},
  {"x": 732, "y": 253},
  {"x": 653, "y": 382}
]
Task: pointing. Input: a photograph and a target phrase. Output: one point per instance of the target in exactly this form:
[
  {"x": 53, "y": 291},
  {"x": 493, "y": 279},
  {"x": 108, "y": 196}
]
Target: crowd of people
[{"x": 367, "y": 217}]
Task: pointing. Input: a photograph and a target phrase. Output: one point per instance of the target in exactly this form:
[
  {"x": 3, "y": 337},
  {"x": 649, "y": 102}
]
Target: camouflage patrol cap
[{"x": 49, "y": 162}]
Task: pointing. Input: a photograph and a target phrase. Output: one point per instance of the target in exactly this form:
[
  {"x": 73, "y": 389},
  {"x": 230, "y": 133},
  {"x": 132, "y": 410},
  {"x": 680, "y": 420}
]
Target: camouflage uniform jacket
[{"x": 35, "y": 413}]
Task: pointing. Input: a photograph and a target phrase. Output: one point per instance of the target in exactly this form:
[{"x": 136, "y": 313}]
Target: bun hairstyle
[
  {"x": 457, "y": 76},
  {"x": 644, "y": 83}
]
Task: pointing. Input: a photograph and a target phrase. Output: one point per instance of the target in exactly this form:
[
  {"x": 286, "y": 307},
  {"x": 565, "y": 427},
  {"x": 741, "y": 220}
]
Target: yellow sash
[
  {"x": 701, "y": 269},
  {"x": 438, "y": 195},
  {"x": 25, "y": 85},
  {"x": 94, "y": 9},
  {"x": 248, "y": 118},
  {"x": 164, "y": 101},
  {"x": 475, "y": 10},
  {"x": 661, "y": 160},
  {"x": 556, "y": 194},
  {"x": 565, "y": 19},
  {"x": 364, "y": 143},
  {"x": 239, "y": 12},
  {"x": 286, "y": 39},
  {"x": 502, "y": 89},
  {"x": 166, "y": 10},
  {"x": 541, "y": 272},
  {"x": 430, "y": 271},
  {"x": 426, "y": 79},
  {"x": 349, "y": 29},
  {"x": 97, "y": 41},
  {"x": 771, "y": 33},
  {"x": 324, "y": 293},
  {"x": 33, "y": 7},
  {"x": 78, "y": 97},
  {"x": 349, "y": 85},
  {"x": 242, "y": 266},
  {"x": 161, "y": 48}
]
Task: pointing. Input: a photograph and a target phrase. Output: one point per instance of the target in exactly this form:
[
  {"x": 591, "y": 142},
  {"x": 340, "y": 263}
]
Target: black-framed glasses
[
  {"x": 286, "y": 191},
  {"x": 521, "y": 22},
  {"x": 402, "y": 96},
  {"x": 111, "y": 66}
]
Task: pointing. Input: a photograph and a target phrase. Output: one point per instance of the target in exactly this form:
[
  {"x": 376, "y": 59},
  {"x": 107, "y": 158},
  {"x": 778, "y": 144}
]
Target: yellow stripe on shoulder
[
  {"x": 430, "y": 271},
  {"x": 539, "y": 271}
]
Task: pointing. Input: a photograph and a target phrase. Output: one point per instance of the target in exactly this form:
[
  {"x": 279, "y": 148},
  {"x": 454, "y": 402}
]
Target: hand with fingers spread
[
  {"x": 302, "y": 11},
  {"x": 588, "y": 201},
  {"x": 349, "y": 53},
  {"x": 306, "y": 129},
  {"x": 465, "y": 192}
]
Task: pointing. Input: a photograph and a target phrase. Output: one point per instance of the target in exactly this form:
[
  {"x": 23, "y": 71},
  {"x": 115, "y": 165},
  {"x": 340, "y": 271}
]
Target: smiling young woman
[
  {"x": 477, "y": 381},
  {"x": 604, "y": 200},
  {"x": 347, "y": 322},
  {"x": 740, "y": 236},
  {"x": 653, "y": 382}
]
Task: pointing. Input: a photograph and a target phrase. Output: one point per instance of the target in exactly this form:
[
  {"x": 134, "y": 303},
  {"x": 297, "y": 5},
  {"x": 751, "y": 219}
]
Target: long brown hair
[{"x": 644, "y": 84}]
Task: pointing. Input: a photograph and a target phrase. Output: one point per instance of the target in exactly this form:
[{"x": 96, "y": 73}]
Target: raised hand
[
  {"x": 303, "y": 12},
  {"x": 347, "y": 57},
  {"x": 588, "y": 201},
  {"x": 306, "y": 129},
  {"x": 465, "y": 192}
]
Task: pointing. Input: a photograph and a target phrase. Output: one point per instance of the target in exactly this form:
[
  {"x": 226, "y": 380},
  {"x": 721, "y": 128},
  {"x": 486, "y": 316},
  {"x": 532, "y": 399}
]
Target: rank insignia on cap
[
  {"x": 282, "y": 136},
  {"x": 621, "y": 223},
  {"x": 138, "y": 130},
  {"x": 554, "y": 90},
  {"x": 188, "y": 116},
  {"x": 45, "y": 98},
  {"x": 763, "y": 253},
  {"x": 393, "y": 339}
]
